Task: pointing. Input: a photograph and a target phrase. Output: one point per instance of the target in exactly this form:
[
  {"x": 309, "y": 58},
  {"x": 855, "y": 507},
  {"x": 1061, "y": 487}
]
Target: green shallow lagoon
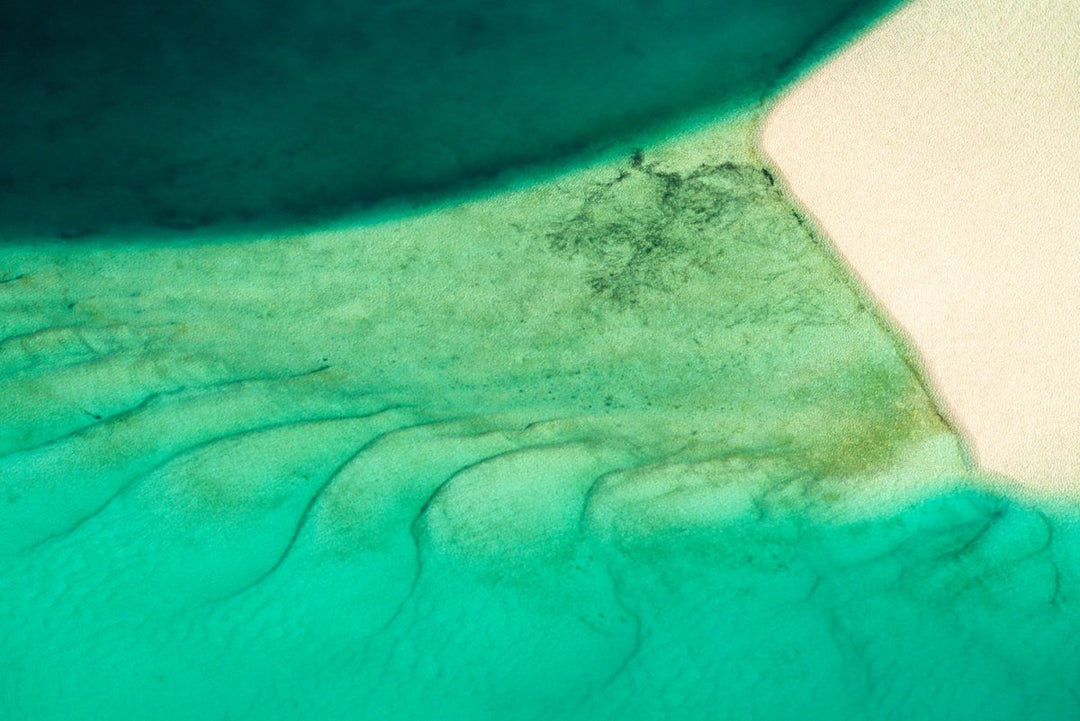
[{"x": 626, "y": 445}]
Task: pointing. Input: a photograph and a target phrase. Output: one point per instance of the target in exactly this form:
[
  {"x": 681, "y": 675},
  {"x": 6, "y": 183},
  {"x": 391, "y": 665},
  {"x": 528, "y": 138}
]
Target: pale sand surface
[{"x": 941, "y": 155}]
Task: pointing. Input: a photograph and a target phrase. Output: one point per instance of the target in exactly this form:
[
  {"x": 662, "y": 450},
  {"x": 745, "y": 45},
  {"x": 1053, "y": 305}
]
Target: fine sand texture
[{"x": 939, "y": 155}]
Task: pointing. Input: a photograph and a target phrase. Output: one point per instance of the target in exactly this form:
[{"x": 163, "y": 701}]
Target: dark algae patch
[
  {"x": 163, "y": 117},
  {"x": 646, "y": 227}
]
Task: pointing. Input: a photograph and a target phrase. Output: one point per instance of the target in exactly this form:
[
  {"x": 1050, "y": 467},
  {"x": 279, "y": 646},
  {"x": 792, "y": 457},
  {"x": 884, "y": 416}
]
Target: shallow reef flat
[{"x": 626, "y": 444}]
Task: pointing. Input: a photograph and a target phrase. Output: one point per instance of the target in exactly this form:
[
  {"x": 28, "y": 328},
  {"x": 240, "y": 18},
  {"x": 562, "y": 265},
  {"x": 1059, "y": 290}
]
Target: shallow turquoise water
[
  {"x": 627, "y": 442},
  {"x": 961, "y": 606}
]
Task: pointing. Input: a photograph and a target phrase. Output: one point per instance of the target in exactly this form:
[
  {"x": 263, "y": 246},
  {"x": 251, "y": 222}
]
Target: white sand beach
[{"x": 940, "y": 154}]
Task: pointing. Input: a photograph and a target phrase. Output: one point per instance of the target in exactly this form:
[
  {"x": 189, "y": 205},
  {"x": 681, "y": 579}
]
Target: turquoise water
[
  {"x": 623, "y": 442},
  {"x": 961, "y": 606},
  {"x": 627, "y": 445}
]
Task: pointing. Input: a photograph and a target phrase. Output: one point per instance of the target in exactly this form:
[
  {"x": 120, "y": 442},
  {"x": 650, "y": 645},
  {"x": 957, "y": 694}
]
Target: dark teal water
[
  {"x": 133, "y": 116},
  {"x": 959, "y": 607}
]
